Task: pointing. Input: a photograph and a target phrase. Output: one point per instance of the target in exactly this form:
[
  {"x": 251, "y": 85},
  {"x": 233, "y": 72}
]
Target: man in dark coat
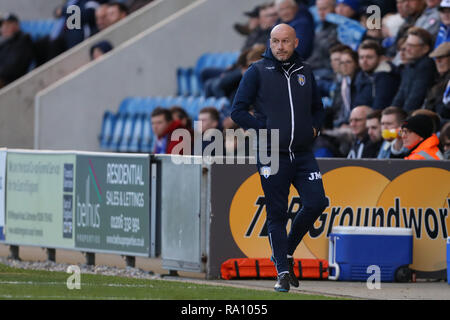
[
  {"x": 419, "y": 74},
  {"x": 299, "y": 18},
  {"x": 378, "y": 81},
  {"x": 435, "y": 98},
  {"x": 15, "y": 51},
  {"x": 283, "y": 92}
]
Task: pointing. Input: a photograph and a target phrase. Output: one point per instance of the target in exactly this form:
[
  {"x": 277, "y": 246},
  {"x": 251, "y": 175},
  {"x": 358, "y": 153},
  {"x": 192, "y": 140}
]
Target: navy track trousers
[{"x": 303, "y": 172}]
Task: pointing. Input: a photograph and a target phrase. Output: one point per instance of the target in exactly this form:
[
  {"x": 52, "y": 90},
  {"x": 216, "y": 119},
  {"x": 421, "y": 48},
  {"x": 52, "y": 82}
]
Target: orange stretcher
[{"x": 264, "y": 268}]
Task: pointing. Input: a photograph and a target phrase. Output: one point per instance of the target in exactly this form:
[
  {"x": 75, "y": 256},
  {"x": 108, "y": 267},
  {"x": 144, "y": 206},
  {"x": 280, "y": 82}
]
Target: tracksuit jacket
[
  {"x": 292, "y": 109},
  {"x": 285, "y": 97}
]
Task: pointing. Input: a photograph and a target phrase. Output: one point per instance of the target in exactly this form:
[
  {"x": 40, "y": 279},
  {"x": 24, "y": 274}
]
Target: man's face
[
  {"x": 286, "y": 11},
  {"x": 442, "y": 64},
  {"x": 413, "y": 7},
  {"x": 444, "y": 14},
  {"x": 345, "y": 10},
  {"x": 415, "y": 48},
  {"x": 9, "y": 28},
  {"x": 159, "y": 125},
  {"x": 335, "y": 59},
  {"x": 324, "y": 7},
  {"x": 389, "y": 121},
  {"x": 410, "y": 139},
  {"x": 446, "y": 144},
  {"x": 101, "y": 17},
  {"x": 267, "y": 17},
  {"x": 283, "y": 44},
  {"x": 206, "y": 121},
  {"x": 114, "y": 14},
  {"x": 348, "y": 65},
  {"x": 401, "y": 8},
  {"x": 368, "y": 60},
  {"x": 358, "y": 122},
  {"x": 374, "y": 129}
]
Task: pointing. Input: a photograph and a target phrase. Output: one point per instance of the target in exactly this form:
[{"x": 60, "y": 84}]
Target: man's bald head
[
  {"x": 283, "y": 41},
  {"x": 358, "y": 118}
]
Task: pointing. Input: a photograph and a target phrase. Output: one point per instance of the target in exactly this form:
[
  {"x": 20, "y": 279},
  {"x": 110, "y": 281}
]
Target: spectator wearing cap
[
  {"x": 325, "y": 39},
  {"x": 434, "y": 100},
  {"x": 418, "y": 76},
  {"x": 378, "y": 81},
  {"x": 252, "y": 23},
  {"x": 99, "y": 49},
  {"x": 267, "y": 19},
  {"x": 418, "y": 137},
  {"x": 444, "y": 14},
  {"x": 299, "y": 18},
  {"x": 348, "y": 8},
  {"x": 15, "y": 50},
  {"x": 430, "y": 20}
]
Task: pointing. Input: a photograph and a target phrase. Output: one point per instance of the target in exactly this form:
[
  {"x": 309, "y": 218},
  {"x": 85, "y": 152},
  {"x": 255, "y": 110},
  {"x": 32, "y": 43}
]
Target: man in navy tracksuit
[{"x": 283, "y": 92}]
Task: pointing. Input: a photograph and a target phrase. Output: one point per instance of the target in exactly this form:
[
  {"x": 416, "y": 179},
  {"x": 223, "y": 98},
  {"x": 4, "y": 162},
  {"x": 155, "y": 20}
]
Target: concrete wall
[
  {"x": 30, "y": 9},
  {"x": 17, "y": 99},
  {"x": 69, "y": 113}
]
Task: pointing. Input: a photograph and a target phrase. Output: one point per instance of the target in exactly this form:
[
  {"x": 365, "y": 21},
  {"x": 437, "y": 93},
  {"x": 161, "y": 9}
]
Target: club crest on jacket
[
  {"x": 265, "y": 172},
  {"x": 301, "y": 79}
]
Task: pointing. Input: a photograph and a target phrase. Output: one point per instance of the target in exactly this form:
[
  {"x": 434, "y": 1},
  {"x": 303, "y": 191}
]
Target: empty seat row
[
  {"x": 129, "y": 130},
  {"x": 188, "y": 79}
]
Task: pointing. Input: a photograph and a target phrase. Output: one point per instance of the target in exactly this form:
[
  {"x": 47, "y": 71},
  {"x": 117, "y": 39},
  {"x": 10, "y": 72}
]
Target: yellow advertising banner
[{"x": 359, "y": 196}]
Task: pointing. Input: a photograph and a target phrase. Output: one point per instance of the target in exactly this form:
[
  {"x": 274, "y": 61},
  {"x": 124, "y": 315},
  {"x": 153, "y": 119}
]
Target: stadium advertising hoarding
[
  {"x": 412, "y": 194},
  {"x": 39, "y": 199},
  {"x": 112, "y": 204},
  {"x": 2, "y": 192}
]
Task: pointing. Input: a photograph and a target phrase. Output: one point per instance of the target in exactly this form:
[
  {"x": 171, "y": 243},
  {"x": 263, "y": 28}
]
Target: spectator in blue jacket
[
  {"x": 418, "y": 76},
  {"x": 378, "y": 81},
  {"x": 444, "y": 14},
  {"x": 299, "y": 18},
  {"x": 348, "y": 8}
]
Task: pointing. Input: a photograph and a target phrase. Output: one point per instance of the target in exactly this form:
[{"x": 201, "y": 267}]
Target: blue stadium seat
[
  {"x": 127, "y": 133},
  {"x": 137, "y": 134},
  {"x": 123, "y": 107},
  {"x": 118, "y": 132},
  {"x": 188, "y": 79},
  {"x": 146, "y": 141},
  {"x": 108, "y": 123},
  {"x": 183, "y": 81},
  {"x": 130, "y": 130}
]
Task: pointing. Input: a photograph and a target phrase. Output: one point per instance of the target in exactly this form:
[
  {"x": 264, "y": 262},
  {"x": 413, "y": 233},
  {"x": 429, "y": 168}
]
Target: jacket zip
[{"x": 288, "y": 78}]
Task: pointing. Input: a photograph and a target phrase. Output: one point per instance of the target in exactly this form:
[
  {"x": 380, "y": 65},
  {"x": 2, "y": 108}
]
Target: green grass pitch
[{"x": 21, "y": 284}]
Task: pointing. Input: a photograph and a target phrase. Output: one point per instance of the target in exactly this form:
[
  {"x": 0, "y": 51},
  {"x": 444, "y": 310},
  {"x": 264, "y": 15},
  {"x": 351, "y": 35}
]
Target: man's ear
[{"x": 296, "y": 42}]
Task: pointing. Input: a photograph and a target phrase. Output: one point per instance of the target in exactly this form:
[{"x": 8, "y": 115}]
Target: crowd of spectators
[
  {"x": 19, "y": 53},
  {"x": 376, "y": 95}
]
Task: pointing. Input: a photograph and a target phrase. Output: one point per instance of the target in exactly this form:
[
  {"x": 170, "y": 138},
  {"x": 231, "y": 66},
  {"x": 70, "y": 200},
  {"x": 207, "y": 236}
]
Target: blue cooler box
[
  {"x": 353, "y": 249},
  {"x": 448, "y": 260}
]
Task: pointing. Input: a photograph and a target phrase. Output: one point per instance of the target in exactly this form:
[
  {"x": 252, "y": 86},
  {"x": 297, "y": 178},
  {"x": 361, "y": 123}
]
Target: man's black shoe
[
  {"x": 282, "y": 284},
  {"x": 292, "y": 277}
]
